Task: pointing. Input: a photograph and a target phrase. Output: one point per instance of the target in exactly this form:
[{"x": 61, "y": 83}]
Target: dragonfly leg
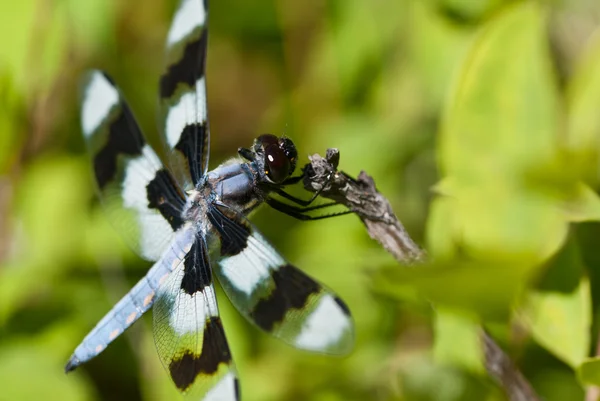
[{"x": 300, "y": 213}]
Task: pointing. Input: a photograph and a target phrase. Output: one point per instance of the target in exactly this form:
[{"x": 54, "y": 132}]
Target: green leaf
[
  {"x": 583, "y": 97},
  {"x": 423, "y": 380},
  {"x": 437, "y": 46},
  {"x": 42, "y": 357},
  {"x": 11, "y": 114},
  {"x": 457, "y": 340},
  {"x": 50, "y": 59},
  {"x": 502, "y": 115},
  {"x": 357, "y": 25},
  {"x": 558, "y": 310},
  {"x": 589, "y": 371},
  {"x": 441, "y": 227},
  {"x": 584, "y": 205},
  {"x": 28, "y": 27},
  {"x": 51, "y": 213},
  {"x": 561, "y": 322},
  {"x": 155, "y": 381},
  {"x": 487, "y": 289},
  {"x": 59, "y": 185},
  {"x": 92, "y": 21},
  {"x": 500, "y": 123},
  {"x": 16, "y": 23},
  {"x": 469, "y": 8}
]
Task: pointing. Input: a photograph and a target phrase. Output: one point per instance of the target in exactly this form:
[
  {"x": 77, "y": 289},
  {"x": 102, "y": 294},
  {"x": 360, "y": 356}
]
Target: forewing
[
  {"x": 183, "y": 94},
  {"x": 141, "y": 197},
  {"x": 133, "y": 305},
  {"x": 189, "y": 334},
  {"x": 273, "y": 294}
]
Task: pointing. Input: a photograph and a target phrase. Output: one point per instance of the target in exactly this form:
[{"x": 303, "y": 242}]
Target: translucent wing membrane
[
  {"x": 133, "y": 305},
  {"x": 140, "y": 195},
  {"x": 183, "y": 94},
  {"x": 189, "y": 334},
  {"x": 274, "y": 295}
]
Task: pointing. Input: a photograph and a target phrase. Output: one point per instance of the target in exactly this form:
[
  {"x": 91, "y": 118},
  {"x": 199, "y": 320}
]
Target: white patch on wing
[
  {"x": 211, "y": 301},
  {"x": 246, "y": 270},
  {"x": 99, "y": 97},
  {"x": 189, "y": 311},
  {"x": 224, "y": 390},
  {"x": 190, "y": 109},
  {"x": 190, "y": 15},
  {"x": 189, "y": 314},
  {"x": 152, "y": 225},
  {"x": 324, "y": 327}
]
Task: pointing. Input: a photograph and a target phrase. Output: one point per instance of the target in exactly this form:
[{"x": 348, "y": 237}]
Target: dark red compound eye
[
  {"x": 290, "y": 152},
  {"x": 277, "y": 163},
  {"x": 267, "y": 139}
]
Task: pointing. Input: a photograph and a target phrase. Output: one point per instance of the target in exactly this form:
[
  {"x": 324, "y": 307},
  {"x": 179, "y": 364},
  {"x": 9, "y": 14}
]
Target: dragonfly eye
[
  {"x": 290, "y": 152},
  {"x": 280, "y": 156},
  {"x": 277, "y": 164}
]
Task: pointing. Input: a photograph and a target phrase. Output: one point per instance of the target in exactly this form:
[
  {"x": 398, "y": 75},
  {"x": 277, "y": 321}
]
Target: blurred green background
[{"x": 479, "y": 119}]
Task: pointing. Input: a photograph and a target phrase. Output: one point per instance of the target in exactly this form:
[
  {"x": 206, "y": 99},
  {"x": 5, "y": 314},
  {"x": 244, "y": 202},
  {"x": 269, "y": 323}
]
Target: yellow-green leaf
[
  {"x": 469, "y": 8},
  {"x": 16, "y": 23},
  {"x": 502, "y": 114},
  {"x": 583, "y": 97},
  {"x": 500, "y": 123},
  {"x": 437, "y": 47},
  {"x": 487, "y": 289},
  {"x": 589, "y": 371},
  {"x": 457, "y": 340},
  {"x": 561, "y": 322},
  {"x": 584, "y": 205}
]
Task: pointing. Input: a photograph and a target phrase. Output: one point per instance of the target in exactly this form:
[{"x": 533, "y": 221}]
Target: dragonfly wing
[
  {"x": 133, "y": 305},
  {"x": 275, "y": 295},
  {"x": 141, "y": 197},
  {"x": 189, "y": 334},
  {"x": 183, "y": 105}
]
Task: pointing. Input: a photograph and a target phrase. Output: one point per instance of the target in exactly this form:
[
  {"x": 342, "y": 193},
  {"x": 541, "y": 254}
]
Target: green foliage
[
  {"x": 559, "y": 309},
  {"x": 589, "y": 371},
  {"x": 583, "y": 117},
  {"x": 458, "y": 340},
  {"x": 561, "y": 322},
  {"x": 489, "y": 103}
]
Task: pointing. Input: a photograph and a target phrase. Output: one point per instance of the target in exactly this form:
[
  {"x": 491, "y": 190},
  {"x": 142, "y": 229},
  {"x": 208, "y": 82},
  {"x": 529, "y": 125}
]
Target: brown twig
[{"x": 361, "y": 197}]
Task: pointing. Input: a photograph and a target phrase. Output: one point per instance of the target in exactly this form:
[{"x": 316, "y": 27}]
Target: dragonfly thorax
[{"x": 235, "y": 184}]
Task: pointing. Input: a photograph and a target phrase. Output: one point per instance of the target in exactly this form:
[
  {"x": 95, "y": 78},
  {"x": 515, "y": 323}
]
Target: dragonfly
[{"x": 192, "y": 223}]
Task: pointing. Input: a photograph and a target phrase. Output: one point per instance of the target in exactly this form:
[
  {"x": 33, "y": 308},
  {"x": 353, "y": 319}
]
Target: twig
[
  {"x": 361, "y": 196},
  {"x": 500, "y": 367}
]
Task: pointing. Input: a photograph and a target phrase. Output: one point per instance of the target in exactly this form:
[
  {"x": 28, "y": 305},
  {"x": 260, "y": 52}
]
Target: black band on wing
[
  {"x": 193, "y": 145},
  {"x": 215, "y": 351},
  {"x": 342, "y": 305},
  {"x": 188, "y": 69},
  {"x": 233, "y": 232},
  {"x": 163, "y": 194},
  {"x": 182, "y": 79},
  {"x": 291, "y": 291},
  {"x": 124, "y": 138},
  {"x": 196, "y": 269}
]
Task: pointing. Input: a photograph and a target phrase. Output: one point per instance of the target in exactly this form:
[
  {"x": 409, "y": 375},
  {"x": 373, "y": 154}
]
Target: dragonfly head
[{"x": 276, "y": 157}]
